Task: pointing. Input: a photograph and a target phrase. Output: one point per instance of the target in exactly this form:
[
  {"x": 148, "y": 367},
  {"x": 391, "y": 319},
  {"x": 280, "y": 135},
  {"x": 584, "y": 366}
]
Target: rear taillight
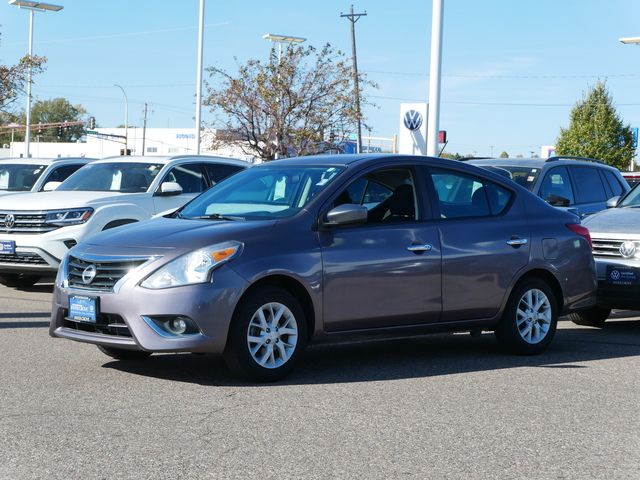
[{"x": 580, "y": 230}]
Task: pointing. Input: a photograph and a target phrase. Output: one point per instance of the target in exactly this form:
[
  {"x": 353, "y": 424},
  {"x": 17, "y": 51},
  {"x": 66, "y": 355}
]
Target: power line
[{"x": 479, "y": 75}]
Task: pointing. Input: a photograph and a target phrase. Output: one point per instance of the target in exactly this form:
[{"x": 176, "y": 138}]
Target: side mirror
[
  {"x": 613, "y": 201},
  {"x": 346, "y": 214},
  {"x": 168, "y": 189},
  {"x": 557, "y": 200},
  {"x": 50, "y": 186}
]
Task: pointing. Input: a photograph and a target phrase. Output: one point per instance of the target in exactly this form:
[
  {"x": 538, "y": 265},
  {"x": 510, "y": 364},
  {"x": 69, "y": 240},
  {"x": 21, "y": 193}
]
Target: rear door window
[
  {"x": 614, "y": 183},
  {"x": 556, "y": 183},
  {"x": 189, "y": 176},
  {"x": 589, "y": 188},
  {"x": 461, "y": 195},
  {"x": 218, "y": 172}
]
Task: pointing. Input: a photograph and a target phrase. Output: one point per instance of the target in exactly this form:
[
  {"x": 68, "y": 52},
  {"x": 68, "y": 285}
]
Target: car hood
[
  {"x": 158, "y": 235},
  {"x": 56, "y": 200},
  {"x": 614, "y": 220}
]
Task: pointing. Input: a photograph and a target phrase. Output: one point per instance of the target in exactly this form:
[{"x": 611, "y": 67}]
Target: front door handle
[
  {"x": 420, "y": 248},
  {"x": 517, "y": 242}
]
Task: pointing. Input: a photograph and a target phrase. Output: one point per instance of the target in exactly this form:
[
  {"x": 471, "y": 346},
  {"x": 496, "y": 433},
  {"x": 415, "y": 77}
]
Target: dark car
[
  {"x": 581, "y": 185},
  {"x": 311, "y": 249}
]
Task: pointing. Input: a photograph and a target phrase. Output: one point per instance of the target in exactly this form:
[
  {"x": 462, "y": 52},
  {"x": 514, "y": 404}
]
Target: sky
[{"x": 511, "y": 69}]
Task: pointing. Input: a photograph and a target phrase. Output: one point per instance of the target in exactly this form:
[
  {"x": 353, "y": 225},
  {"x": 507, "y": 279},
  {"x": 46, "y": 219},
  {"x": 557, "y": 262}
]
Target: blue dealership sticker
[
  {"x": 82, "y": 309},
  {"x": 7, "y": 247},
  {"x": 619, "y": 275}
]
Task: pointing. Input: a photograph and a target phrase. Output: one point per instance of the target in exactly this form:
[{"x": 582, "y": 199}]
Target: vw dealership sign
[
  {"x": 412, "y": 120},
  {"x": 412, "y": 138}
]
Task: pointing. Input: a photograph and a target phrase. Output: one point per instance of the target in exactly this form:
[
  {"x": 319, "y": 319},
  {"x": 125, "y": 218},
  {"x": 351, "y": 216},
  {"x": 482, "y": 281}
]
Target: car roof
[
  {"x": 534, "y": 162},
  {"x": 41, "y": 160},
  {"x": 165, "y": 159}
]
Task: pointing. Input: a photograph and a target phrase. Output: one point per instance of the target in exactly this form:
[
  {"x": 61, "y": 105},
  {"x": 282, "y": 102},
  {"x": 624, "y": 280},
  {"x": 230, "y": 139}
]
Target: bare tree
[{"x": 299, "y": 104}]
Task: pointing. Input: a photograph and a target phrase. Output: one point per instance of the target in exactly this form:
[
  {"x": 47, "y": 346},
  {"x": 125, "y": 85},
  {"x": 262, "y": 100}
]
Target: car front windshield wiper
[
  {"x": 630, "y": 206},
  {"x": 215, "y": 216}
]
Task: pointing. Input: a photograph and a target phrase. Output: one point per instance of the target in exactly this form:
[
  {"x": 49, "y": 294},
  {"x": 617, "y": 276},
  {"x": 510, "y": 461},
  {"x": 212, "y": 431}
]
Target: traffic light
[
  {"x": 92, "y": 123},
  {"x": 60, "y": 131}
]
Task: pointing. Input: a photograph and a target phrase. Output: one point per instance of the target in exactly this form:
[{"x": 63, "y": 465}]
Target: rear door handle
[
  {"x": 420, "y": 248},
  {"x": 517, "y": 242}
]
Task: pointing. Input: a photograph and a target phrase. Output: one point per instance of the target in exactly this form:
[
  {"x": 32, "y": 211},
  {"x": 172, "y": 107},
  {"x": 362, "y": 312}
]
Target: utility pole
[
  {"x": 433, "y": 126},
  {"x": 144, "y": 128},
  {"x": 353, "y": 18},
  {"x": 199, "y": 76}
]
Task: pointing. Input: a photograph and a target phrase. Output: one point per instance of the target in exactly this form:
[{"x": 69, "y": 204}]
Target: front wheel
[
  {"x": 18, "y": 280},
  {"x": 530, "y": 318},
  {"x": 123, "y": 354},
  {"x": 594, "y": 317},
  {"x": 267, "y": 335}
]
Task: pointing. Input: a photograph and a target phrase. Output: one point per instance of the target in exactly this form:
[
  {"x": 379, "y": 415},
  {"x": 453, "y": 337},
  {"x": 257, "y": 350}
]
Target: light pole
[
  {"x": 280, "y": 39},
  {"x": 126, "y": 119},
  {"x": 630, "y": 41},
  {"x": 32, "y": 7},
  {"x": 434, "y": 78},
  {"x": 199, "y": 76}
]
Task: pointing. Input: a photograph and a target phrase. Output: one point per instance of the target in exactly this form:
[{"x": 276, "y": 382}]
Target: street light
[
  {"x": 32, "y": 7},
  {"x": 280, "y": 39},
  {"x": 126, "y": 119},
  {"x": 434, "y": 78},
  {"x": 199, "y": 76},
  {"x": 630, "y": 40}
]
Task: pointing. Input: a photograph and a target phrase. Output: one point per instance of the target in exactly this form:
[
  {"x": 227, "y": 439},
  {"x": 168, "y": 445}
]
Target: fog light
[{"x": 177, "y": 325}]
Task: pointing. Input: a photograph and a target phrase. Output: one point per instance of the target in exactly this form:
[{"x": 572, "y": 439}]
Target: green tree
[
  {"x": 57, "y": 110},
  {"x": 297, "y": 104},
  {"x": 596, "y": 131},
  {"x": 504, "y": 155}
]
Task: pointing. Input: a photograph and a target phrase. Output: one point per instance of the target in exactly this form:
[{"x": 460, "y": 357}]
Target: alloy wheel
[
  {"x": 533, "y": 316},
  {"x": 272, "y": 335}
]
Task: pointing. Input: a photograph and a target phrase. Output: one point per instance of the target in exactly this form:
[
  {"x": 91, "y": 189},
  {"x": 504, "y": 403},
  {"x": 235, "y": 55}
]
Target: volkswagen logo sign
[
  {"x": 614, "y": 275},
  {"x": 412, "y": 120},
  {"x": 627, "y": 249},
  {"x": 88, "y": 274},
  {"x": 9, "y": 220}
]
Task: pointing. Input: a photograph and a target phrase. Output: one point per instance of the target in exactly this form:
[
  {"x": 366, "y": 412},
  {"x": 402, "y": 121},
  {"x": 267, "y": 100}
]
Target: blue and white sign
[
  {"x": 413, "y": 120},
  {"x": 82, "y": 309},
  {"x": 412, "y": 135}
]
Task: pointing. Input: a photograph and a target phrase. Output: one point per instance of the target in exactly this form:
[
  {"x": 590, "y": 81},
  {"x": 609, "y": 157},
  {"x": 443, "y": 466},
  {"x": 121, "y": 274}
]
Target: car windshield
[
  {"x": 632, "y": 199},
  {"x": 523, "y": 176},
  {"x": 261, "y": 193},
  {"x": 123, "y": 177},
  {"x": 19, "y": 178}
]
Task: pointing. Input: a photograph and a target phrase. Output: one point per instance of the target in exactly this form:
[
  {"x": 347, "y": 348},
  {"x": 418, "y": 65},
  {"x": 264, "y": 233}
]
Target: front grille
[
  {"x": 108, "y": 272},
  {"x": 106, "y": 324},
  {"x": 604, "y": 247},
  {"x": 25, "y": 222},
  {"x": 22, "y": 258}
]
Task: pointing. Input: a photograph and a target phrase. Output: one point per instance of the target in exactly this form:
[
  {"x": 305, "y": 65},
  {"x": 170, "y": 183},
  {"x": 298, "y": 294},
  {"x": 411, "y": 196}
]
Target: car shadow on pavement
[{"x": 424, "y": 356}]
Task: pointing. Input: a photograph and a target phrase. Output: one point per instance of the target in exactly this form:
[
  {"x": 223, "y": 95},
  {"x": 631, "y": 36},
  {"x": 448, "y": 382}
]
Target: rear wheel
[
  {"x": 19, "y": 279},
  {"x": 267, "y": 335},
  {"x": 594, "y": 317},
  {"x": 530, "y": 318},
  {"x": 123, "y": 354}
]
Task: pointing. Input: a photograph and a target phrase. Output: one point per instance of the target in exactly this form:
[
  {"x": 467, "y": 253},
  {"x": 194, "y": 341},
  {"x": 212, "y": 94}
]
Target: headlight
[
  {"x": 194, "y": 267},
  {"x": 62, "y": 218}
]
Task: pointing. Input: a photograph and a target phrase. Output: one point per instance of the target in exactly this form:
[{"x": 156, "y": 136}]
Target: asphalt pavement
[{"x": 438, "y": 407}]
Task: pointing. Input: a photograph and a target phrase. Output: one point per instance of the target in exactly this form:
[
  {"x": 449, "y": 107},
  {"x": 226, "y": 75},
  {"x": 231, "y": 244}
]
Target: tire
[
  {"x": 123, "y": 354},
  {"x": 594, "y": 317},
  {"x": 267, "y": 349},
  {"x": 529, "y": 332},
  {"x": 19, "y": 279}
]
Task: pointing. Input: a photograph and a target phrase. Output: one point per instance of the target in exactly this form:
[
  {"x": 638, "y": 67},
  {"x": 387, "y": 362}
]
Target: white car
[
  {"x": 22, "y": 175},
  {"x": 37, "y": 229}
]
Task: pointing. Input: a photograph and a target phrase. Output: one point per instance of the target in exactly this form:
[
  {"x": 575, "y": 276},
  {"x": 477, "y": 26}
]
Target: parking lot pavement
[{"x": 441, "y": 406}]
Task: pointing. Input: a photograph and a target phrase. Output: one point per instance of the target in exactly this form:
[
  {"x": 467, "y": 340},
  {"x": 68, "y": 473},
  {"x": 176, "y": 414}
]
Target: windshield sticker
[{"x": 531, "y": 178}]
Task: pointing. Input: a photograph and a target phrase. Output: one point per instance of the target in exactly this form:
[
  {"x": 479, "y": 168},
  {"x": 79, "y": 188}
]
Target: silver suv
[{"x": 616, "y": 249}]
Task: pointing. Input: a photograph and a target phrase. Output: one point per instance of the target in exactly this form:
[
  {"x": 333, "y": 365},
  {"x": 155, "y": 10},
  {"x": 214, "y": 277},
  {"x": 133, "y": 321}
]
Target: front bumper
[
  {"x": 41, "y": 252},
  {"x": 611, "y": 295},
  {"x": 121, "y": 322}
]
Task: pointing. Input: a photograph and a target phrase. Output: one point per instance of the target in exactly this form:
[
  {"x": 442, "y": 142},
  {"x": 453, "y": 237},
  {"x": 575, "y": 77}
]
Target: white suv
[
  {"x": 22, "y": 175},
  {"x": 37, "y": 229}
]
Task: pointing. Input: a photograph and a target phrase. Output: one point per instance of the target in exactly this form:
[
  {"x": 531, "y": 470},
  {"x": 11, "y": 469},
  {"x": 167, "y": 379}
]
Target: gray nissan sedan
[{"x": 304, "y": 250}]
